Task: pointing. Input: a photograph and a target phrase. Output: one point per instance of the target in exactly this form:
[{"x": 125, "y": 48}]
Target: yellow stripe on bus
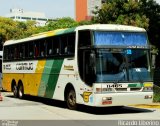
[
  {"x": 51, "y": 33},
  {"x": 34, "y": 80},
  {"x": 39, "y": 71}
]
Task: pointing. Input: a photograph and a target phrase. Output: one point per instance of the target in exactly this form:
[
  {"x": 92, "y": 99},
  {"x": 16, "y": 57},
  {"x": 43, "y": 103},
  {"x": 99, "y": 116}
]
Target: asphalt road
[{"x": 34, "y": 108}]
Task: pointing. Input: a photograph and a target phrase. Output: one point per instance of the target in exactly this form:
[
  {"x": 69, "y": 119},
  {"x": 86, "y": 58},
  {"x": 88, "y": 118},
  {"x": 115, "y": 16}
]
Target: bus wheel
[
  {"x": 20, "y": 91},
  {"x": 15, "y": 91},
  {"x": 71, "y": 99}
]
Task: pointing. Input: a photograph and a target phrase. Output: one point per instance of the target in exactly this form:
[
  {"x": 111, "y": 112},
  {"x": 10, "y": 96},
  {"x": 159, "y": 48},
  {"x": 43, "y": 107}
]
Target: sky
[
  {"x": 51, "y": 8},
  {"x": 158, "y": 1}
]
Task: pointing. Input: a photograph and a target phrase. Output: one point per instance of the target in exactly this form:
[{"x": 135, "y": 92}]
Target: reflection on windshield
[{"x": 122, "y": 65}]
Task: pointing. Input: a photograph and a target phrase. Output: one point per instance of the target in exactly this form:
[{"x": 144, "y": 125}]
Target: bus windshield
[{"x": 122, "y": 65}]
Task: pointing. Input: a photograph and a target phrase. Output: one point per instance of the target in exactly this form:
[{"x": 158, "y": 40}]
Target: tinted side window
[
  {"x": 16, "y": 52},
  {"x": 56, "y": 45},
  {"x": 68, "y": 44},
  {"x": 30, "y": 50},
  {"x": 52, "y": 46},
  {"x": 71, "y": 44},
  {"x": 84, "y": 38},
  {"x": 6, "y": 53},
  {"x": 42, "y": 48},
  {"x": 49, "y": 45}
]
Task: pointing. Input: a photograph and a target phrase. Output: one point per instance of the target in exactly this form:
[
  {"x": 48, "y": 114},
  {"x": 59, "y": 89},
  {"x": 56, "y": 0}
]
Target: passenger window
[
  {"x": 71, "y": 44},
  {"x": 26, "y": 50},
  {"x": 36, "y": 49},
  {"x": 21, "y": 51},
  {"x": 42, "y": 48},
  {"x": 49, "y": 44},
  {"x": 64, "y": 45},
  {"x": 68, "y": 44},
  {"x": 56, "y": 46},
  {"x": 16, "y": 52},
  {"x": 12, "y": 52},
  {"x": 30, "y": 49},
  {"x": 6, "y": 53}
]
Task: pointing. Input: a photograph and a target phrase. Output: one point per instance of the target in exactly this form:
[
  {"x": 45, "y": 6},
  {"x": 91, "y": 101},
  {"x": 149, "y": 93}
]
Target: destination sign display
[{"x": 129, "y": 39}]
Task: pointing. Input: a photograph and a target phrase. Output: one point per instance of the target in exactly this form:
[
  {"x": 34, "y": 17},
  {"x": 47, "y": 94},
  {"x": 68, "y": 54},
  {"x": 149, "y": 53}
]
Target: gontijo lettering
[{"x": 24, "y": 66}]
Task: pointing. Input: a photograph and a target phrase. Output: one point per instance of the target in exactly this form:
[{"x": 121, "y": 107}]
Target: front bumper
[{"x": 121, "y": 99}]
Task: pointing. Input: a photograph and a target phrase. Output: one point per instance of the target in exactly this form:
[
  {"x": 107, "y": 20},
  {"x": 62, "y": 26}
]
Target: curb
[{"x": 154, "y": 105}]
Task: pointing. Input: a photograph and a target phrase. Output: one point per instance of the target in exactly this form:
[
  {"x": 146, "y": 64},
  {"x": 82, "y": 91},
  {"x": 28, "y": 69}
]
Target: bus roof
[
  {"x": 111, "y": 27},
  {"x": 102, "y": 27},
  {"x": 40, "y": 35}
]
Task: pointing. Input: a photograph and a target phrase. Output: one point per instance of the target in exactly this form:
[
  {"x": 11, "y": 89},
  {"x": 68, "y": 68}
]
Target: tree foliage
[
  {"x": 10, "y": 29},
  {"x": 121, "y": 12},
  {"x": 66, "y": 22},
  {"x": 7, "y": 28},
  {"x": 152, "y": 11}
]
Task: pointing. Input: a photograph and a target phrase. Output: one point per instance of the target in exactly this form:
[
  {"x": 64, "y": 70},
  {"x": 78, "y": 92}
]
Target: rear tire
[
  {"x": 15, "y": 91},
  {"x": 71, "y": 99},
  {"x": 20, "y": 91}
]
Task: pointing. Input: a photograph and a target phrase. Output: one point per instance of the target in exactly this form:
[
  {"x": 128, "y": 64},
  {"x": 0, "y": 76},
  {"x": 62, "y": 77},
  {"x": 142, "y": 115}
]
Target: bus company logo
[
  {"x": 68, "y": 67},
  {"x": 9, "y": 123},
  {"x": 114, "y": 85},
  {"x": 85, "y": 96}
]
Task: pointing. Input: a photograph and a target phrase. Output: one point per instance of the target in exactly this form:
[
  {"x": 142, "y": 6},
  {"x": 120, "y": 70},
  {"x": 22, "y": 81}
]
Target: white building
[
  {"x": 21, "y": 15},
  {"x": 91, "y": 6}
]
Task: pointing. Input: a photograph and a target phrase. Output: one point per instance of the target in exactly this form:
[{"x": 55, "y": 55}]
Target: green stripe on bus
[
  {"x": 45, "y": 78},
  {"x": 135, "y": 85},
  {"x": 53, "y": 77}
]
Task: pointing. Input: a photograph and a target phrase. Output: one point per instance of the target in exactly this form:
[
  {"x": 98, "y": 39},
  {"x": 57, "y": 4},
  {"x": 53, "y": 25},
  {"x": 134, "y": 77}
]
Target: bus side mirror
[
  {"x": 92, "y": 67},
  {"x": 92, "y": 59},
  {"x": 154, "y": 53},
  {"x": 153, "y": 61}
]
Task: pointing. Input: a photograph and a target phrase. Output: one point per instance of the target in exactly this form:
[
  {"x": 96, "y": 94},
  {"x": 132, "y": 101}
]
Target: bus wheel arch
[
  {"x": 70, "y": 96},
  {"x": 20, "y": 89},
  {"x": 14, "y": 88}
]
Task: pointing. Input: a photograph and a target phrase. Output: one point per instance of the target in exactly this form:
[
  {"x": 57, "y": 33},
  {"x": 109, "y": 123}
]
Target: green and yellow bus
[{"x": 96, "y": 65}]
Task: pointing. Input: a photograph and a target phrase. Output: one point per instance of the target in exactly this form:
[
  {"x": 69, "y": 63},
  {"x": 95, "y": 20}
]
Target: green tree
[
  {"x": 85, "y": 23},
  {"x": 66, "y": 22},
  {"x": 152, "y": 11},
  {"x": 25, "y": 29},
  {"x": 7, "y": 30},
  {"x": 31, "y": 28},
  {"x": 10, "y": 29},
  {"x": 127, "y": 12}
]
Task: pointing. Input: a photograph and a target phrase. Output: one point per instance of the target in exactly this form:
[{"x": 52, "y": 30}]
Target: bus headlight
[
  {"x": 148, "y": 97},
  {"x": 147, "y": 89},
  {"x": 106, "y": 100}
]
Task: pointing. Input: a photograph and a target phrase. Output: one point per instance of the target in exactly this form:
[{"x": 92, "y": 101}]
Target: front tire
[{"x": 71, "y": 99}]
